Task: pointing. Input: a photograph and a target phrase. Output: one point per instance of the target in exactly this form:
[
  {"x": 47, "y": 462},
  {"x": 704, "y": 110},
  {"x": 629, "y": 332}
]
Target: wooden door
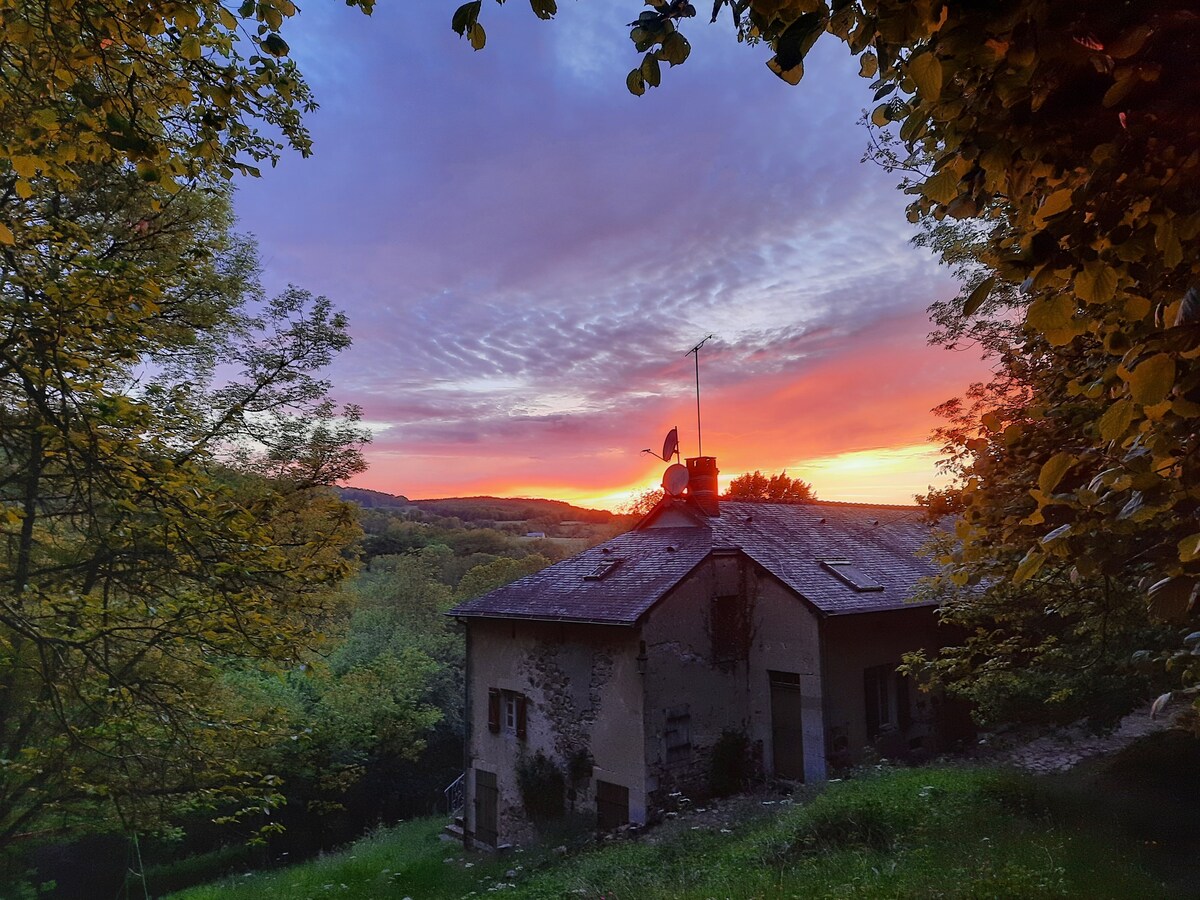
[
  {"x": 612, "y": 805},
  {"x": 787, "y": 736},
  {"x": 487, "y": 799}
]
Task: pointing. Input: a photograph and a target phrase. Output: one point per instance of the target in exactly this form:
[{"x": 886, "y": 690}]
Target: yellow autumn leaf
[
  {"x": 942, "y": 187},
  {"x": 1053, "y": 470},
  {"x": 25, "y": 166},
  {"x": 1029, "y": 566},
  {"x": 1189, "y": 548},
  {"x": 1152, "y": 380},
  {"x": 1097, "y": 283},
  {"x": 1059, "y": 201},
  {"x": 1116, "y": 419},
  {"x": 1050, "y": 313},
  {"x": 925, "y": 70}
]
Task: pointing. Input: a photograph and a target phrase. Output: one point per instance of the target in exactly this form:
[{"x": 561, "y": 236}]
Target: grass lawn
[{"x": 917, "y": 833}]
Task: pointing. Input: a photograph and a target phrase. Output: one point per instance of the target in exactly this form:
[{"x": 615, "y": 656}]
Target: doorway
[
  {"x": 487, "y": 797},
  {"x": 787, "y": 735}
]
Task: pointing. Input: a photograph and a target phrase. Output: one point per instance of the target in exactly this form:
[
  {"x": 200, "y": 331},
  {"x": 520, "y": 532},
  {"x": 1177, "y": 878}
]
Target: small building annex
[{"x": 625, "y": 664}]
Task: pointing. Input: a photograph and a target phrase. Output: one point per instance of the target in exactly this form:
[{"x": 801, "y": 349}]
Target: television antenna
[{"x": 696, "y": 352}]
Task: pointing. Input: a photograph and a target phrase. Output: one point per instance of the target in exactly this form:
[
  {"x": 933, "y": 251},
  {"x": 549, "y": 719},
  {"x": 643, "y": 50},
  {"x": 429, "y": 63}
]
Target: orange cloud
[{"x": 854, "y": 422}]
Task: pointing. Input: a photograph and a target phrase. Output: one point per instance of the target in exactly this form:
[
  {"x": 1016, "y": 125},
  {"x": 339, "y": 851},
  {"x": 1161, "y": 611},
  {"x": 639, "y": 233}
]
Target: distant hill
[
  {"x": 369, "y": 499},
  {"x": 512, "y": 509},
  {"x": 484, "y": 509}
]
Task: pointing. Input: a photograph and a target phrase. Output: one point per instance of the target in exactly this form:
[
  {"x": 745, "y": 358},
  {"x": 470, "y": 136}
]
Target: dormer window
[
  {"x": 850, "y": 574},
  {"x": 603, "y": 570}
]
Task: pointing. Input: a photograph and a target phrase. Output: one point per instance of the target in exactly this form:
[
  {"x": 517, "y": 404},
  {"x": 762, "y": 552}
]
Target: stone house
[{"x": 626, "y": 664}]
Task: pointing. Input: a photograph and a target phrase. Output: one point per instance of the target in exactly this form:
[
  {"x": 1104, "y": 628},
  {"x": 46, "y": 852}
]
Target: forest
[{"x": 365, "y": 729}]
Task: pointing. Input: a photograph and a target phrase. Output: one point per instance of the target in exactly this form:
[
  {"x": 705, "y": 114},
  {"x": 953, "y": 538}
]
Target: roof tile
[{"x": 788, "y": 540}]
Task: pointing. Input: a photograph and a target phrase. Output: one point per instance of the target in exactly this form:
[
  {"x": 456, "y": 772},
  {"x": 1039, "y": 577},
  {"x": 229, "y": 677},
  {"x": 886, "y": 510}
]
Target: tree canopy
[
  {"x": 174, "y": 88},
  {"x": 161, "y": 525},
  {"x": 779, "y": 488}
]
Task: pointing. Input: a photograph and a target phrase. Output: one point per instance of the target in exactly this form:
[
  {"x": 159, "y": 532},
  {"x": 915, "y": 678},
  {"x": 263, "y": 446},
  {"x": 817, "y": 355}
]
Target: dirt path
[{"x": 1063, "y": 748}]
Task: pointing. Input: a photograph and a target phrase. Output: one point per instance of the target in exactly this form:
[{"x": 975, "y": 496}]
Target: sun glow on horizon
[{"x": 877, "y": 475}]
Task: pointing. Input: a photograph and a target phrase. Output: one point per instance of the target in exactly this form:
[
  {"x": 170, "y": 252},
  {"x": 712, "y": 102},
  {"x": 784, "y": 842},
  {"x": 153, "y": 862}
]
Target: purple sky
[{"x": 526, "y": 251}]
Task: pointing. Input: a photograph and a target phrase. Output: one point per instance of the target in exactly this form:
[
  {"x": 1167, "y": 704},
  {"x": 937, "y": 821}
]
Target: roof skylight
[
  {"x": 603, "y": 570},
  {"x": 849, "y": 573}
]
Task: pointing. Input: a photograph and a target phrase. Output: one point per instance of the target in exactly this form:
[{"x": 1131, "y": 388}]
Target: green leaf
[
  {"x": 274, "y": 45},
  {"x": 978, "y": 296},
  {"x": 675, "y": 49},
  {"x": 189, "y": 47},
  {"x": 792, "y": 45},
  {"x": 1129, "y": 43},
  {"x": 1053, "y": 470},
  {"x": 925, "y": 70},
  {"x": 1097, "y": 283},
  {"x": 544, "y": 9},
  {"x": 650, "y": 70},
  {"x": 635, "y": 82},
  {"x": 1115, "y": 421},
  {"x": 1120, "y": 89},
  {"x": 466, "y": 16},
  {"x": 1152, "y": 380},
  {"x": 1168, "y": 243}
]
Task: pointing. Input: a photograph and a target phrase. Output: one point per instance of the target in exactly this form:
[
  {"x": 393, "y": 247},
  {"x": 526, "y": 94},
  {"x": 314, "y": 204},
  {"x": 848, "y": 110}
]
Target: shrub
[
  {"x": 731, "y": 764},
  {"x": 542, "y": 785}
]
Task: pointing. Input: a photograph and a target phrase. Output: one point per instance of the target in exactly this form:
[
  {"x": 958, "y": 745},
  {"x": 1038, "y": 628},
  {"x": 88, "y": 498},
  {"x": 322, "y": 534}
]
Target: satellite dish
[
  {"x": 670, "y": 444},
  {"x": 675, "y": 479}
]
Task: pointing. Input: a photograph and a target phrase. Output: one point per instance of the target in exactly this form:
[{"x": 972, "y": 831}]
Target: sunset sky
[{"x": 526, "y": 252}]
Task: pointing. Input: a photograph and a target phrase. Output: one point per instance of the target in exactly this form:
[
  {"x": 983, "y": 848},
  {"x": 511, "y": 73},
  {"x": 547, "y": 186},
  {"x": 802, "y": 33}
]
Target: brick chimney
[{"x": 702, "y": 484}]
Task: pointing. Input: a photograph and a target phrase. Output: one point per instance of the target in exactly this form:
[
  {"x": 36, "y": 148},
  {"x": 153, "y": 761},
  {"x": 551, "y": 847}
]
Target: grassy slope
[{"x": 923, "y": 833}]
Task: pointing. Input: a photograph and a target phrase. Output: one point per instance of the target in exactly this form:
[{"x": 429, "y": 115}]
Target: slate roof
[{"x": 788, "y": 540}]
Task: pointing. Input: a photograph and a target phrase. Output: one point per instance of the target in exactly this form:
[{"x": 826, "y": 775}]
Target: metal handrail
[{"x": 456, "y": 795}]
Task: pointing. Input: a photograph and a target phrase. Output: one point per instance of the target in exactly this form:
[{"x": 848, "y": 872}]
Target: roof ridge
[{"x": 867, "y": 504}]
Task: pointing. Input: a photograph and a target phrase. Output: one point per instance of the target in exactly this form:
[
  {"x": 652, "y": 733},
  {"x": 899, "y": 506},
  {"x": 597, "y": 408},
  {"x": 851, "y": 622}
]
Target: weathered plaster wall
[
  {"x": 682, "y": 670},
  {"x": 788, "y": 639},
  {"x": 575, "y": 677},
  {"x": 855, "y": 643}
]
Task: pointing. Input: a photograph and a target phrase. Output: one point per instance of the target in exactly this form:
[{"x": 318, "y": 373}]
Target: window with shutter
[
  {"x": 493, "y": 710},
  {"x": 511, "y": 712}
]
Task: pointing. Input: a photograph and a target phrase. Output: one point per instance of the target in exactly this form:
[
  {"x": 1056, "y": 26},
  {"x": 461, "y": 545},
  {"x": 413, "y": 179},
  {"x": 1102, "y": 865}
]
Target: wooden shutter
[
  {"x": 521, "y": 703},
  {"x": 493, "y": 710}
]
